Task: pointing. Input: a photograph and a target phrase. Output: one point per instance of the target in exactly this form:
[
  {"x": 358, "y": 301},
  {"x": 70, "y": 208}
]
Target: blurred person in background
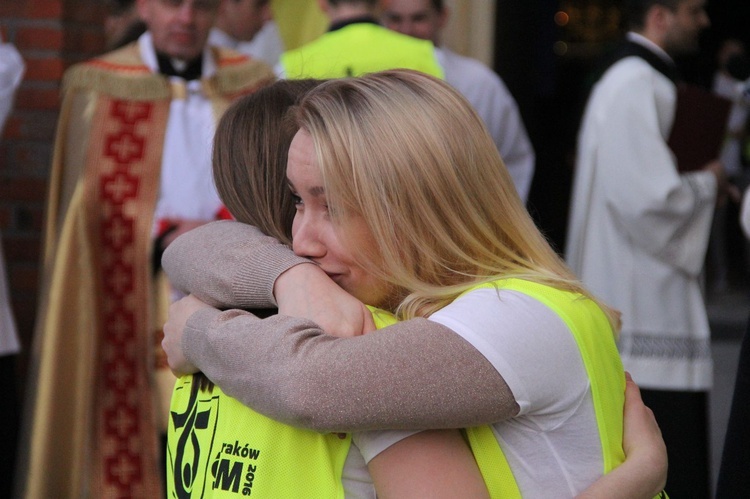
[
  {"x": 729, "y": 82},
  {"x": 639, "y": 230},
  {"x": 247, "y": 27},
  {"x": 733, "y": 479},
  {"x": 11, "y": 74},
  {"x": 480, "y": 85},
  {"x": 131, "y": 170},
  {"x": 355, "y": 44}
]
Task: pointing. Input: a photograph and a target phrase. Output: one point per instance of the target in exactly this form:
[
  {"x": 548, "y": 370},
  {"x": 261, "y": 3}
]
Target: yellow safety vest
[
  {"x": 596, "y": 342},
  {"x": 219, "y": 448},
  {"x": 243, "y": 452},
  {"x": 357, "y": 49}
]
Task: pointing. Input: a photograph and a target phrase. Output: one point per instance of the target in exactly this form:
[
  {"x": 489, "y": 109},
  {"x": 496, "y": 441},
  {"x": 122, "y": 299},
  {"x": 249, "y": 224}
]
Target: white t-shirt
[{"x": 553, "y": 445}]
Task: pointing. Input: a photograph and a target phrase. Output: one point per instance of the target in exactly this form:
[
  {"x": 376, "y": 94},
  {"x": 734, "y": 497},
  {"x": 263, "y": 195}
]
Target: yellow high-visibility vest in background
[
  {"x": 299, "y": 21},
  {"x": 357, "y": 49}
]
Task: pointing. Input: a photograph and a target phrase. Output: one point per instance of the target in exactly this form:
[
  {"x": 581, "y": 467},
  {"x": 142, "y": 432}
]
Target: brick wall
[{"x": 51, "y": 35}]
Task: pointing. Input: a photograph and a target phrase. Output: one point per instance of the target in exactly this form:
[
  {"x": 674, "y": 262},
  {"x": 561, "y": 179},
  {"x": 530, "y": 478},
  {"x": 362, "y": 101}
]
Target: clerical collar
[
  {"x": 191, "y": 70},
  {"x": 354, "y": 20},
  {"x": 640, "y": 46},
  {"x": 654, "y": 56},
  {"x": 642, "y": 40}
]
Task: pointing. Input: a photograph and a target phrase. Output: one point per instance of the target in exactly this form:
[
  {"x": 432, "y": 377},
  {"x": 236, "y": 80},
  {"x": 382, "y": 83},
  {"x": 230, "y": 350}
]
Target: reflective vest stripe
[{"x": 595, "y": 339}]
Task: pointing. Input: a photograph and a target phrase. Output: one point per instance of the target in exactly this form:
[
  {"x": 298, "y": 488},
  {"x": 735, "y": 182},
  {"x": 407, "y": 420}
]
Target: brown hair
[
  {"x": 249, "y": 157},
  {"x": 249, "y": 163}
]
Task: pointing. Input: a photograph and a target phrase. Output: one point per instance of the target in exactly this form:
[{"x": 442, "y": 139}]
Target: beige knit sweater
[{"x": 416, "y": 374}]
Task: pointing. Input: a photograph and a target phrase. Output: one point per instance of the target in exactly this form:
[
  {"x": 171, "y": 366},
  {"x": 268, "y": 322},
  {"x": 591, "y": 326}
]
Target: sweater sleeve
[
  {"x": 228, "y": 265},
  {"x": 415, "y": 374}
]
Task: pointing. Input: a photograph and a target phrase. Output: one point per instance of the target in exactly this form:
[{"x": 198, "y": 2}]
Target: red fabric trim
[
  {"x": 123, "y": 373},
  {"x": 232, "y": 61},
  {"x": 223, "y": 214},
  {"x": 111, "y": 66}
]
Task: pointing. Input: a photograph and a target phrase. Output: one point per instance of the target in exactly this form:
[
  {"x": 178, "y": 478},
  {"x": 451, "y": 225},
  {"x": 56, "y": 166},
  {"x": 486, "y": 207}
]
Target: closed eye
[{"x": 296, "y": 199}]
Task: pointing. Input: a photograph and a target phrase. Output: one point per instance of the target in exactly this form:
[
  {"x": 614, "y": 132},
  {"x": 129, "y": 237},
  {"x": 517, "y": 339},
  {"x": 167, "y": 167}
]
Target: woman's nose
[{"x": 306, "y": 239}]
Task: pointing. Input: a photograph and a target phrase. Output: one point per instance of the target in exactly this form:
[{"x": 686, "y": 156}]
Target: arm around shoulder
[
  {"x": 413, "y": 375},
  {"x": 228, "y": 265}
]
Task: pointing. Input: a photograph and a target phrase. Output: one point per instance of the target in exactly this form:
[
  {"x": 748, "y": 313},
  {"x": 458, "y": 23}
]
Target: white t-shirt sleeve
[
  {"x": 529, "y": 345},
  {"x": 372, "y": 443}
]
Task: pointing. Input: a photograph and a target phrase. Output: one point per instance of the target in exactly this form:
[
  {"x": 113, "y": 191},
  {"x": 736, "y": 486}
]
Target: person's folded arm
[
  {"x": 233, "y": 265},
  {"x": 415, "y": 374},
  {"x": 228, "y": 265},
  {"x": 291, "y": 370}
]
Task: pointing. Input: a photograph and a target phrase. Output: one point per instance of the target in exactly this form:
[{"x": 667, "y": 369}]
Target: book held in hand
[{"x": 699, "y": 128}]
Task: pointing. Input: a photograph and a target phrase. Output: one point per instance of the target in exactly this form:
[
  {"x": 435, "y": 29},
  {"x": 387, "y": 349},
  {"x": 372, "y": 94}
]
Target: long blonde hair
[{"x": 408, "y": 154}]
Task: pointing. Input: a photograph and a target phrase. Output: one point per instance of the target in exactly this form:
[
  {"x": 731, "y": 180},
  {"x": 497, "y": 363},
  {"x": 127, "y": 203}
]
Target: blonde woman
[
  {"x": 403, "y": 212},
  {"x": 214, "y": 443}
]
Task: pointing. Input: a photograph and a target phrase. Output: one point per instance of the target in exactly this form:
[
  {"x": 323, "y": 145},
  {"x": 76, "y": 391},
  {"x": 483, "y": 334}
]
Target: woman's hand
[
  {"x": 179, "y": 313},
  {"x": 644, "y": 472},
  {"x": 641, "y": 439},
  {"x": 306, "y": 292}
]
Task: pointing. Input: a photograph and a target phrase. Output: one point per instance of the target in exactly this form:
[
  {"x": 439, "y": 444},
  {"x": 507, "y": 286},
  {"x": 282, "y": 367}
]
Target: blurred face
[
  {"x": 242, "y": 19},
  {"x": 415, "y": 18},
  {"x": 685, "y": 24},
  {"x": 179, "y": 27},
  {"x": 314, "y": 235}
]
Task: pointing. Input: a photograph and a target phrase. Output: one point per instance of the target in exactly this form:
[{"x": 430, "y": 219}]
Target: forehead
[{"x": 301, "y": 153}]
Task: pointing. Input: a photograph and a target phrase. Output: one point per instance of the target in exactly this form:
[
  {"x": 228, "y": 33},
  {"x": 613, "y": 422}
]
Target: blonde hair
[{"x": 408, "y": 154}]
